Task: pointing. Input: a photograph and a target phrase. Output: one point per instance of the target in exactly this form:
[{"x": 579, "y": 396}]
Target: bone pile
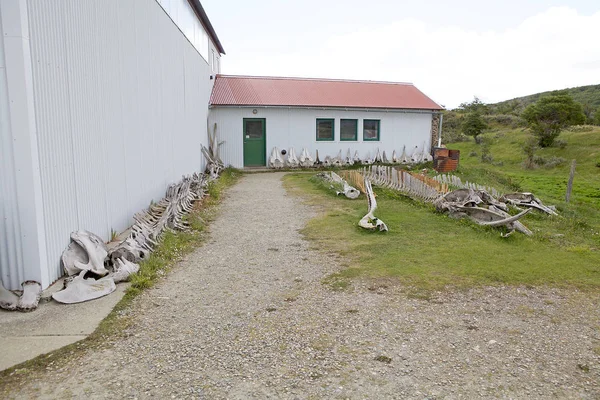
[
  {"x": 339, "y": 185},
  {"x": 289, "y": 159},
  {"x": 403, "y": 181},
  {"x": 481, "y": 208},
  {"x": 370, "y": 221},
  {"x": 93, "y": 270},
  {"x": 471, "y": 202},
  {"x": 455, "y": 182},
  {"x": 214, "y": 164}
]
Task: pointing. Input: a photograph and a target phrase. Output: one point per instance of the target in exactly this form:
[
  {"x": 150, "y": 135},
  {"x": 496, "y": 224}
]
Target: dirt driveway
[{"x": 246, "y": 316}]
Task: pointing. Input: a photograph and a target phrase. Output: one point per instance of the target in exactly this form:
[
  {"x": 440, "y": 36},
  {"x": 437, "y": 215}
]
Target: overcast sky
[{"x": 451, "y": 50}]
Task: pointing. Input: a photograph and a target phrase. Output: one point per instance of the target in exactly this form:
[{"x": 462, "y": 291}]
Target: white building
[
  {"x": 102, "y": 105},
  {"x": 256, "y": 114}
]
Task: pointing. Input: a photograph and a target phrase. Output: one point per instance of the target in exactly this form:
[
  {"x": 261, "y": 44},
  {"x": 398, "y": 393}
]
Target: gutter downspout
[{"x": 440, "y": 130}]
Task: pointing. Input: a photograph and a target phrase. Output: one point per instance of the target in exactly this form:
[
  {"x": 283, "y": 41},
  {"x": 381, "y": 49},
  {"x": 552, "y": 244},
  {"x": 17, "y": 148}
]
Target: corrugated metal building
[
  {"x": 102, "y": 105},
  {"x": 255, "y": 114}
]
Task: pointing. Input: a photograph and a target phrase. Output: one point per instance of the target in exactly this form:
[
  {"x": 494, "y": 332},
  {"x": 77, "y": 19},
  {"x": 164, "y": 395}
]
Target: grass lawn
[{"x": 429, "y": 251}]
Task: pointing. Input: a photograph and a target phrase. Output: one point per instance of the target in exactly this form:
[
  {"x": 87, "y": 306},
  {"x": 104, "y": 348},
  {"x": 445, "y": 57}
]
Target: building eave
[{"x": 206, "y": 23}]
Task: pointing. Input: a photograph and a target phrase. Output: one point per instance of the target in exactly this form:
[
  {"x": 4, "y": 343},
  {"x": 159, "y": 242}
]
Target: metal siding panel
[
  {"x": 116, "y": 118},
  {"x": 10, "y": 234}
]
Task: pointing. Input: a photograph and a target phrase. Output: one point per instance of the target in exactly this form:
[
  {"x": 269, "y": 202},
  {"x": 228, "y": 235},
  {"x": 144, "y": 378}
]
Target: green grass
[
  {"x": 169, "y": 251},
  {"x": 428, "y": 251},
  {"x": 548, "y": 184}
]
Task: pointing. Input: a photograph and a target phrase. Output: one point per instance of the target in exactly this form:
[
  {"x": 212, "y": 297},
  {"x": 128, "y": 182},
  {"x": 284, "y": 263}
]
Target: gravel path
[{"x": 246, "y": 316}]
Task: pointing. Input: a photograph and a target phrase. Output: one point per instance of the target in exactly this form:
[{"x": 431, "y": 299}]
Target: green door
[{"x": 255, "y": 142}]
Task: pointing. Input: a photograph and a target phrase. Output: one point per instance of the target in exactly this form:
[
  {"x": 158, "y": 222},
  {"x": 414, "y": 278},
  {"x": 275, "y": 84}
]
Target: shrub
[
  {"x": 529, "y": 148},
  {"x": 453, "y": 136},
  {"x": 580, "y": 128},
  {"x": 551, "y": 114},
  {"x": 560, "y": 143},
  {"x": 548, "y": 163},
  {"x": 473, "y": 154}
]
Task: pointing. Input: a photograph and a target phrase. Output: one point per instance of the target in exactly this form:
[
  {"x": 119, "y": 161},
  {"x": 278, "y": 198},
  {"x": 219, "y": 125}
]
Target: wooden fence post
[{"x": 570, "y": 183}]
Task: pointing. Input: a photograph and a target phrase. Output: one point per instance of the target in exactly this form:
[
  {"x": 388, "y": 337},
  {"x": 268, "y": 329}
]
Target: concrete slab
[{"x": 24, "y": 336}]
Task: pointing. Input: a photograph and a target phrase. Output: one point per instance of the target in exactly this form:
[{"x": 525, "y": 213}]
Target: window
[
  {"x": 371, "y": 129},
  {"x": 325, "y": 129},
  {"x": 349, "y": 129}
]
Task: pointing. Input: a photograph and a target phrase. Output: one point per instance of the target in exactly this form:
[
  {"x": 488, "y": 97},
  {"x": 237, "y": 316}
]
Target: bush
[
  {"x": 529, "y": 148},
  {"x": 560, "y": 143},
  {"x": 507, "y": 120},
  {"x": 473, "y": 154},
  {"x": 548, "y": 163},
  {"x": 580, "y": 128},
  {"x": 453, "y": 136},
  {"x": 486, "y": 155}
]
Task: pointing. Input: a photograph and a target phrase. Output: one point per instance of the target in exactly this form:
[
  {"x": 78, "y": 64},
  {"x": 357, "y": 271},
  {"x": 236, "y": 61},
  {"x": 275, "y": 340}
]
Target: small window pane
[
  {"x": 371, "y": 129},
  {"x": 348, "y": 129},
  {"x": 254, "y": 129},
  {"x": 324, "y": 129}
]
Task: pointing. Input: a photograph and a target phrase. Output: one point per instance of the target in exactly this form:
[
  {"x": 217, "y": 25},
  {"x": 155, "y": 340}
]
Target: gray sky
[{"x": 451, "y": 50}]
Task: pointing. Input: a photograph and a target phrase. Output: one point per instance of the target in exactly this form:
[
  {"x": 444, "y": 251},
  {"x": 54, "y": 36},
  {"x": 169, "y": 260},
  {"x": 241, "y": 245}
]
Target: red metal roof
[{"x": 305, "y": 92}]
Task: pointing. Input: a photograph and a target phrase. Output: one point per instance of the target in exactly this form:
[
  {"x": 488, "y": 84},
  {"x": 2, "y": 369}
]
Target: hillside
[{"x": 586, "y": 95}]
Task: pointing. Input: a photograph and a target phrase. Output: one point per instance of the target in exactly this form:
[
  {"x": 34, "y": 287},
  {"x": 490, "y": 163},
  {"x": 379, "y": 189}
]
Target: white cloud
[{"x": 555, "y": 49}]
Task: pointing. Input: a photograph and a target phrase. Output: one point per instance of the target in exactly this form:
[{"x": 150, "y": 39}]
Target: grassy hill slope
[{"x": 586, "y": 95}]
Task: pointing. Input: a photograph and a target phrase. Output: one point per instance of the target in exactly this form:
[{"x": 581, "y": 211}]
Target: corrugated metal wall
[
  {"x": 295, "y": 127},
  {"x": 121, "y": 108}
]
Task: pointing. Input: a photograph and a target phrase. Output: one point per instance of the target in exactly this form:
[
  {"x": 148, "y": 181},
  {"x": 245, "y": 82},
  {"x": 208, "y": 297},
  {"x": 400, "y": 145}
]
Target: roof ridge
[{"x": 292, "y": 78}]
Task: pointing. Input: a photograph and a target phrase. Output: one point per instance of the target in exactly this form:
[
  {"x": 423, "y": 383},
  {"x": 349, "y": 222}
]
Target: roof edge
[
  {"x": 206, "y": 22},
  {"x": 297, "y": 78},
  {"x": 319, "y": 107}
]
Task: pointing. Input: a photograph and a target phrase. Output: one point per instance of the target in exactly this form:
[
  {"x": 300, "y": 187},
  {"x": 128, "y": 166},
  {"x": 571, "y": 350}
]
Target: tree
[
  {"x": 550, "y": 115},
  {"x": 475, "y": 106},
  {"x": 474, "y": 125},
  {"x": 597, "y": 117}
]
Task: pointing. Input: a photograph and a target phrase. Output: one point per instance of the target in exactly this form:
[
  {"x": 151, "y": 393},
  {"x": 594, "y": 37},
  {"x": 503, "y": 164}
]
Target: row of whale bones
[{"x": 305, "y": 160}]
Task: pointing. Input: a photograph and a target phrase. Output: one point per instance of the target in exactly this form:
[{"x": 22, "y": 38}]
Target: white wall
[
  {"x": 120, "y": 99},
  {"x": 183, "y": 15},
  {"x": 295, "y": 127}
]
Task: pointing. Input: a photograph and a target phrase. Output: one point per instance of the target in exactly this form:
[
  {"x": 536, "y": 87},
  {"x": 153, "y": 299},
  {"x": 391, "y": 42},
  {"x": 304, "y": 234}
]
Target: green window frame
[
  {"x": 345, "y": 129},
  {"x": 322, "y": 128},
  {"x": 370, "y": 128}
]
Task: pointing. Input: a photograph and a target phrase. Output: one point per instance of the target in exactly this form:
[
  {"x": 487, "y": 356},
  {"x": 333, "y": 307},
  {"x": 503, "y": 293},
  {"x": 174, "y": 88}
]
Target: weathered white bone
[
  {"x": 426, "y": 154},
  {"x": 292, "y": 160},
  {"x": 395, "y": 158},
  {"x": 384, "y": 158},
  {"x": 327, "y": 162},
  {"x": 86, "y": 252},
  {"x": 369, "y": 221},
  {"x": 356, "y": 158},
  {"x": 8, "y": 300},
  {"x": 377, "y": 158},
  {"x": 81, "y": 289},
  {"x": 318, "y": 162},
  {"x": 123, "y": 270},
  {"x": 32, "y": 291},
  {"x": 367, "y": 160},
  {"x": 214, "y": 165},
  {"x": 416, "y": 156},
  {"x": 275, "y": 161},
  {"x": 527, "y": 200},
  {"x": 349, "y": 160},
  {"x": 339, "y": 184},
  {"x": 305, "y": 159},
  {"x": 337, "y": 161},
  {"x": 129, "y": 250},
  {"x": 404, "y": 158}
]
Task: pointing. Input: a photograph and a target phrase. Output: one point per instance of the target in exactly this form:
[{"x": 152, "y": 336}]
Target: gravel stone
[{"x": 221, "y": 325}]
